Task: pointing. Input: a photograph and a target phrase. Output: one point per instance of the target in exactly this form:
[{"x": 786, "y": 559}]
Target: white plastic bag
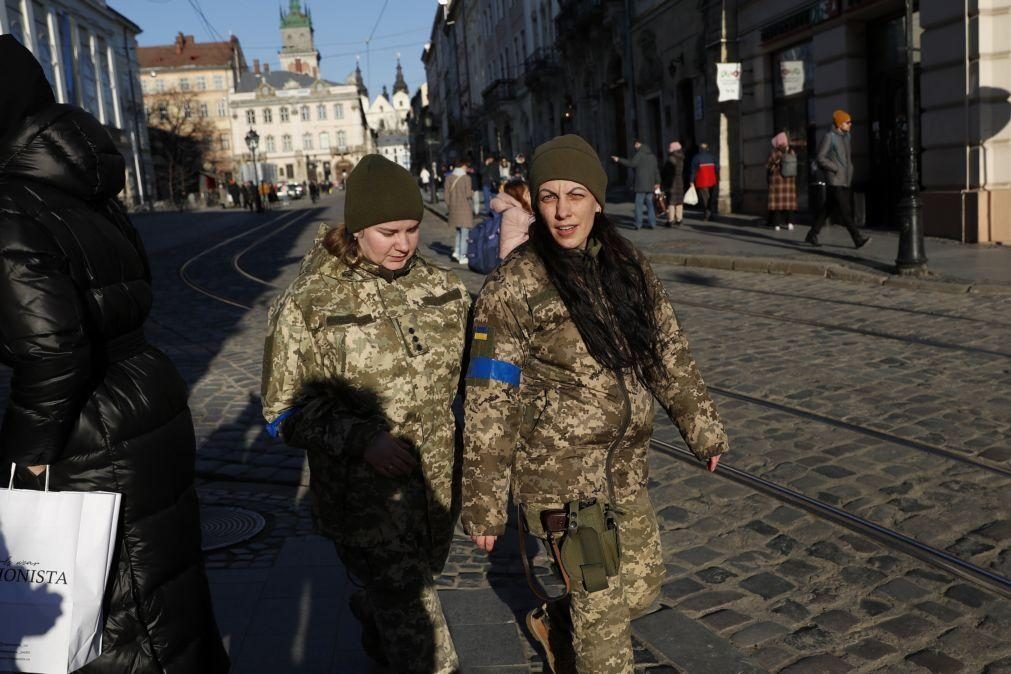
[
  {"x": 55, "y": 553},
  {"x": 691, "y": 196}
]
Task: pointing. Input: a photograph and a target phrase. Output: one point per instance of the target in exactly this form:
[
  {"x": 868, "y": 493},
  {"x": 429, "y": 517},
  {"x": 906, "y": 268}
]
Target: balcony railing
[
  {"x": 542, "y": 69},
  {"x": 499, "y": 91}
]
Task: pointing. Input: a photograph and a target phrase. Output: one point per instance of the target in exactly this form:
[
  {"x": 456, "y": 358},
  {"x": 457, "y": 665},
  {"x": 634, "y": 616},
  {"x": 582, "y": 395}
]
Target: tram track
[
  {"x": 236, "y": 259},
  {"x": 864, "y": 332},
  {"x": 185, "y": 277},
  {"x": 888, "y": 537},
  {"x": 825, "y": 300},
  {"x": 866, "y": 431}
]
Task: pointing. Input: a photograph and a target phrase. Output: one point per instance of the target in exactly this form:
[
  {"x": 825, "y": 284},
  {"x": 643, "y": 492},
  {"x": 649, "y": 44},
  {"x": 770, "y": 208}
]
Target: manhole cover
[{"x": 222, "y": 526}]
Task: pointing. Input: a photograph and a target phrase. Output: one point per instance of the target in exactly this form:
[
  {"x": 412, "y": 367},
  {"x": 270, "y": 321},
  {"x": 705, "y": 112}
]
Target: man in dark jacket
[
  {"x": 92, "y": 402},
  {"x": 835, "y": 159},
  {"x": 647, "y": 179}
]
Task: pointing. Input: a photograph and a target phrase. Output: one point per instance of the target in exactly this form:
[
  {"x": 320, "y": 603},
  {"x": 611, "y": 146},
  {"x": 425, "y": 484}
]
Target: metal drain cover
[{"x": 223, "y": 526}]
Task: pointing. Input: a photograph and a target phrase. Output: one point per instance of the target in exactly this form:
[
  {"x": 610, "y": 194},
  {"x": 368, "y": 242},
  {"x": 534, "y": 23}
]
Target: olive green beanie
[
  {"x": 378, "y": 190},
  {"x": 568, "y": 157}
]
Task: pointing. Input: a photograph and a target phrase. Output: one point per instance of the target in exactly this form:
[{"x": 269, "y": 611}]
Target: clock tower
[{"x": 298, "y": 52}]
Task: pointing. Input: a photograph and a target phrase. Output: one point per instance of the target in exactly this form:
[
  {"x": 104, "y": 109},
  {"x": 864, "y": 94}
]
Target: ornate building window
[
  {"x": 342, "y": 140},
  {"x": 306, "y": 141},
  {"x": 270, "y": 144},
  {"x": 324, "y": 140},
  {"x": 284, "y": 114},
  {"x": 305, "y": 113},
  {"x": 286, "y": 142},
  {"x": 250, "y": 116},
  {"x": 268, "y": 116},
  {"x": 223, "y": 107},
  {"x": 338, "y": 111},
  {"x": 320, "y": 111}
]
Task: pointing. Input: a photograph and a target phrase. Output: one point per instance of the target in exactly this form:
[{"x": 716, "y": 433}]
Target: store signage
[
  {"x": 728, "y": 81},
  {"x": 791, "y": 76}
]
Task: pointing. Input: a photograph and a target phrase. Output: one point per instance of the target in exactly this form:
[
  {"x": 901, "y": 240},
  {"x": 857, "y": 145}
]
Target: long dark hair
[{"x": 609, "y": 297}]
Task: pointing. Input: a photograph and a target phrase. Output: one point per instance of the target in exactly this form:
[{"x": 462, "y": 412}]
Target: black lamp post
[
  {"x": 912, "y": 259},
  {"x": 253, "y": 142}
]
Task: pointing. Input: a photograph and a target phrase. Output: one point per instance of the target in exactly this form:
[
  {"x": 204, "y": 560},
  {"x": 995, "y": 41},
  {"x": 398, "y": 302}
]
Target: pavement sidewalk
[{"x": 744, "y": 243}]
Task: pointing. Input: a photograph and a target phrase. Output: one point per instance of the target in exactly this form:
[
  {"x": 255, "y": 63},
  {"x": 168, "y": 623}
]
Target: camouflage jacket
[
  {"x": 349, "y": 354},
  {"x": 542, "y": 415}
]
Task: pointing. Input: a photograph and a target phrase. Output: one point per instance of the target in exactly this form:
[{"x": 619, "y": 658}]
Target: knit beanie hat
[
  {"x": 379, "y": 190},
  {"x": 840, "y": 117},
  {"x": 568, "y": 157}
]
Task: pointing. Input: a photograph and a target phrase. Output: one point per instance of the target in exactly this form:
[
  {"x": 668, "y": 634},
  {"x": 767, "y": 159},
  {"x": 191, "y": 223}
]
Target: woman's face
[
  {"x": 568, "y": 209},
  {"x": 389, "y": 244}
]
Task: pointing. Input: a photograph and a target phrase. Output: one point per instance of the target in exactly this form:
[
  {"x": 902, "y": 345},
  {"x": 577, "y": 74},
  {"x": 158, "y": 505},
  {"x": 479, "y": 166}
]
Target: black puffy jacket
[{"x": 90, "y": 397}]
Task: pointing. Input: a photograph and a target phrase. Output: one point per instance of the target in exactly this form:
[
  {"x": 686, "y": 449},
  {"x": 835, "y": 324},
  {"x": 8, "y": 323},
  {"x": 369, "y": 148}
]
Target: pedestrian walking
[
  {"x": 425, "y": 177},
  {"x": 781, "y": 170},
  {"x": 235, "y": 193},
  {"x": 313, "y": 191},
  {"x": 835, "y": 158},
  {"x": 504, "y": 171},
  {"x": 458, "y": 200},
  {"x": 489, "y": 181},
  {"x": 574, "y": 336},
  {"x": 520, "y": 167},
  {"x": 361, "y": 365},
  {"x": 91, "y": 402},
  {"x": 475, "y": 185},
  {"x": 672, "y": 182},
  {"x": 705, "y": 175},
  {"x": 646, "y": 179},
  {"x": 513, "y": 202}
]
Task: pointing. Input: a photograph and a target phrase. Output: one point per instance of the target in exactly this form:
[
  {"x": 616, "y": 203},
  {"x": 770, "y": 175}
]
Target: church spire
[
  {"x": 400, "y": 84},
  {"x": 359, "y": 80}
]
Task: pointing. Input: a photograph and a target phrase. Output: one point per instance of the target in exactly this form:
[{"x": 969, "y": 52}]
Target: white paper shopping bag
[{"x": 55, "y": 553}]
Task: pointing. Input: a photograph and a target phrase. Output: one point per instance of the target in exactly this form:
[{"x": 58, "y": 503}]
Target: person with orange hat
[{"x": 835, "y": 158}]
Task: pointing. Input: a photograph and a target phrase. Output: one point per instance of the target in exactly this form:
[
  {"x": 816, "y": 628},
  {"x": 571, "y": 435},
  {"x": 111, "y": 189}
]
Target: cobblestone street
[{"x": 844, "y": 402}]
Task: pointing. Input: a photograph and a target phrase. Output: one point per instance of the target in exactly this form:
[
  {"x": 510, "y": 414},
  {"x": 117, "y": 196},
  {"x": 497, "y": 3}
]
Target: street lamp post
[
  {"x": 912, "y": 260},
  {"x": 253, "y": 142}
]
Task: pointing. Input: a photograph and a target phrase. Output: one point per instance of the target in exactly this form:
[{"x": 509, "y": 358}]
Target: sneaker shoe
[
  {"x": 777, "y": 228},
  {"x": 371, "y": 641},
  {"x": 789, "y": 226},
  {"x": 861, "y": 243}
]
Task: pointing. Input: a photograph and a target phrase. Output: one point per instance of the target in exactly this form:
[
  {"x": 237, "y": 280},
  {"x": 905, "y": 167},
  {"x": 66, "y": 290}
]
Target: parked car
[{"x": 294, "y": 190}]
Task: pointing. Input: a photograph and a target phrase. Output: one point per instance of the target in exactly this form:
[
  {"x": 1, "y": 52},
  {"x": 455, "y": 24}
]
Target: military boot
[{"x": 372, "y": 642}]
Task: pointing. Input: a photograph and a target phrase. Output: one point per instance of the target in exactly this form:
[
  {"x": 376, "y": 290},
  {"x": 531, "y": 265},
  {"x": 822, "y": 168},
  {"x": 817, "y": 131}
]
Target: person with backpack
[
  {"x": 835, "y": 159},
  {"x": 781, "y": 169},
  {"x": 513, "y": 205}
]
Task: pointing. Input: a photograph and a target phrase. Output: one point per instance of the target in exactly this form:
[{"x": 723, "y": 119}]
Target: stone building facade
[
  {"x": 616, "y": 70},
  {"x": 89, "y": 53},
  {"x": 201, "y": 75}
]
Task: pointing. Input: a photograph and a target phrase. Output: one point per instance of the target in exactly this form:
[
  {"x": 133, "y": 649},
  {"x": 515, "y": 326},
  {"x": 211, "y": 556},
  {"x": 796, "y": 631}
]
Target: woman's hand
[
  {"x": 485, "y": 543},
  {"x": 712, "y": 463},
  {"x": 390, "y": 456}
]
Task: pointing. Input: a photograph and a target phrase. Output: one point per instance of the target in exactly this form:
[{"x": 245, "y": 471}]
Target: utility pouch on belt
[
  {"x": 584, "y": 543},
  {"x": 590, "y": 549}
]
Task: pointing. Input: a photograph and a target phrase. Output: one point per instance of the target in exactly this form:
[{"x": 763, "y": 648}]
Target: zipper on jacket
[{"x": 626, "y": 410}]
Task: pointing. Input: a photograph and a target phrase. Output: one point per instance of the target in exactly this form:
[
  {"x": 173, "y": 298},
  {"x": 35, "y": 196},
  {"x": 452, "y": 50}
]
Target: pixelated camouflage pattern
[
  {"x": 401, "y": 341},
  {"x": 599, "y": 621},
  {"x": 406, "y": 608},
  {"x": 549, "y": 437}
]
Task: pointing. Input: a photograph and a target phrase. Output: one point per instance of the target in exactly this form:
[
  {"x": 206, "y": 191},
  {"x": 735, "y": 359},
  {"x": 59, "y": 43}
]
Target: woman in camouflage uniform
[
  {"x": 574, "y": 337},
  {"x": 360, "y": 368}
]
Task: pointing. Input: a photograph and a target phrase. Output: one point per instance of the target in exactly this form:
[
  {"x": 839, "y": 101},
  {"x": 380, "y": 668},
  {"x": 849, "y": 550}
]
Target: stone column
[{"x": 965, "y": 112}]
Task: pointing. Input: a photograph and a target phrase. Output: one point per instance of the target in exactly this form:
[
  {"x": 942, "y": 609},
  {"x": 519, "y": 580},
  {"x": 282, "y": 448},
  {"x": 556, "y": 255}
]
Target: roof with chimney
[{"x": 186, "y": 51}]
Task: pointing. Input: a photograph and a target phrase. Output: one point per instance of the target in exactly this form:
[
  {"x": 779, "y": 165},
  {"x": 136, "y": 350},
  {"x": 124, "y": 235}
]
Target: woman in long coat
[
  {"x": 782, "y": 188},
  {"x": 574, "y": 336},
  {"x": 90, "y": 398},
  {"x": 360, "y": 368},
  {"x": 460, "y": 205},
  {"x": 672, "y": 182}
]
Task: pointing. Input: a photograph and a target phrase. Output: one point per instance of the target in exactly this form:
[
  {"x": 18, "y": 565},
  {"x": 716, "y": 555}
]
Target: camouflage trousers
[
  {"x": 399, "y": 585},
  {"x": 601, "y": 633}
]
